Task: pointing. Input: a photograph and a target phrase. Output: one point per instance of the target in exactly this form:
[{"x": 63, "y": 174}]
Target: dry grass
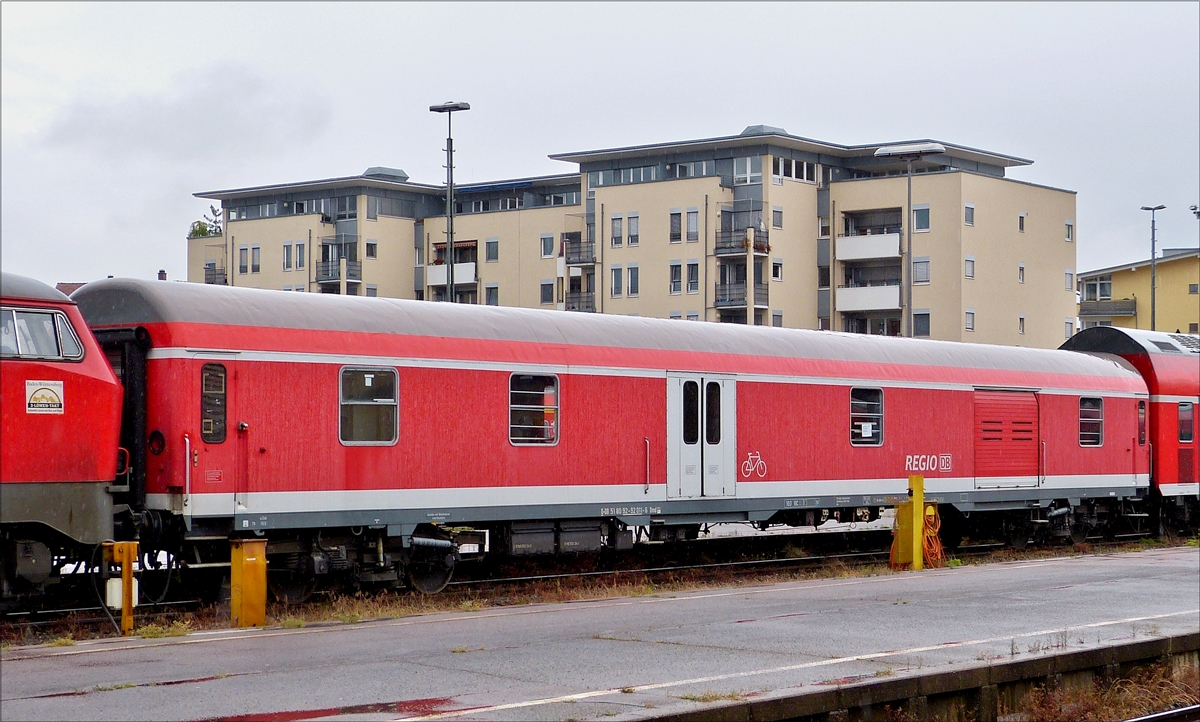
[
  {"x": 714, "y": 697},
  {"x": 1152, "y": 689},
  {"x": 178, "y": 628}
]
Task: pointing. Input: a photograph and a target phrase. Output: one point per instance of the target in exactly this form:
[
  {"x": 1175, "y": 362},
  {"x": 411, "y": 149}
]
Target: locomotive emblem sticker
[{"x": 43, "y": 397}]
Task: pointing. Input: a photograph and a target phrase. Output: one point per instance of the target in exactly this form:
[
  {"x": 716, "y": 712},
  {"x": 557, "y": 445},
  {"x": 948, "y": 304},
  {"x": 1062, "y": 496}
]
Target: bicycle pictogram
[{"x": 754, "y": 465}]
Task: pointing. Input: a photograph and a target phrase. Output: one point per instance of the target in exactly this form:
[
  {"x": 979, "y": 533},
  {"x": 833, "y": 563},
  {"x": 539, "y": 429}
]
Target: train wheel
[
  {"x": 430, "y": 576},
  {"x": 1019, "y": 536}
]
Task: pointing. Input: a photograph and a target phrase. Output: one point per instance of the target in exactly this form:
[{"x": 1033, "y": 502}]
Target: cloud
[{"x": 216, "y": 113}]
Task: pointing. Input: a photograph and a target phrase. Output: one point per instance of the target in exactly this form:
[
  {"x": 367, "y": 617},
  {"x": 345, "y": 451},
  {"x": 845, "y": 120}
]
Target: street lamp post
[
  {"x": 449, "y": 109},
  {"x": 1153, "y": 265},
  {"x": 908, "y": 153}
]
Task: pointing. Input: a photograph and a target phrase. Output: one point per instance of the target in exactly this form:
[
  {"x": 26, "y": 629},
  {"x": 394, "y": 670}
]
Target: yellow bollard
[
  {"x": 247, "y": 582},
  {"x": 125, "y": 554},
  {"x": 908, "y": 543}
]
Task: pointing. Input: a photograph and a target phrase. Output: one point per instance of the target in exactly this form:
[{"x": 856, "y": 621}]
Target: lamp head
[
  {"x": 1154, "y": 208},
  {"x": 909, "y": 150},
  {"x": 450, "y": 106}
]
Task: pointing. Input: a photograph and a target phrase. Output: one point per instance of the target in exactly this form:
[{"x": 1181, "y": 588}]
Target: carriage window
[
  {"x": 533, "y": 409},
  {"x": 1091, "y": 422},
  {"x": 212, "y": 403},
  {"x": 370, "y": 404},
  {"x": 1141, "y": 423},
  {"x": 67, "y": 340},
  {"x": 691, "y": 412},
  {"x": 866, "y": 417},
  {"x": 1187, "y": 421},
  {"x": 8, "y": 333},
  {"x": 712, "y": 412}
]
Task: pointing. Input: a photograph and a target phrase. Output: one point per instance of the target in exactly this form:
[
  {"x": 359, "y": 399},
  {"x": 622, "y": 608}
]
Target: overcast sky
[{"x": 113, "y": 115}]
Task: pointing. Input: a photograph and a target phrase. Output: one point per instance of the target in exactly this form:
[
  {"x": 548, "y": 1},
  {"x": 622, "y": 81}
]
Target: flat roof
[
  {"x": 758, "y": 135},
  {"x": 374, "y": 181}
]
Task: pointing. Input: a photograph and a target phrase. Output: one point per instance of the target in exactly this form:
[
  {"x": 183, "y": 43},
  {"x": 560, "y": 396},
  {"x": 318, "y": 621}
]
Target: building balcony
[
  {"x": 332, "y": 271},
  {"x": 732, "y": 243},
  {"x": 579, "y": 253},
  {"x": 733, "y": 295},
  {"x": 864, "y": 248},
  {"x": 215, "y": 276},
  {"x": 867, "y": 298},
  {"x": 463, "y": 273},
  {"x": 581, "y": 301},
  {"x": 1126, "y": 307}
]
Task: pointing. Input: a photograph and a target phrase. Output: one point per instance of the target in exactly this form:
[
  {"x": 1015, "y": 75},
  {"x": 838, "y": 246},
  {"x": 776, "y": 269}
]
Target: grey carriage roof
[
  {"x": 14, "y": 286},
  {"x": 1129, "y": 341},
  {"x": 127, "y": 302}
]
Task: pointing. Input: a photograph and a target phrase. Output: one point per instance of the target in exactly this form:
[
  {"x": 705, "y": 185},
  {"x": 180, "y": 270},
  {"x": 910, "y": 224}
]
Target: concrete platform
[{"x": 629, "y": 658}]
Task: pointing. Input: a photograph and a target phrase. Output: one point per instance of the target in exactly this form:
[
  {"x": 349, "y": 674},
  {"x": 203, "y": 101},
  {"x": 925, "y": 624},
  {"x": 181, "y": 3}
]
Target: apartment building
[
  {"x": 1120, "y": 295},
  {"x": 762, "y": 227}
]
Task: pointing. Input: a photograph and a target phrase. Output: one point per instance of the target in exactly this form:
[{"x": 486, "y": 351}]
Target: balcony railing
[
  {"x": 730, "y": 294},
  {"x": 215, "y": 276},
  {"x": 734, "y": 242},
  {"x": 581, "y": 301},
  {"x": 864, "y": 247},
  {"x": 579, "y": 252},
  {"x": 332, "y": 271},
  {"x": 868, "y": 298},
  {"x": 1126, "y": 307},
  {"x": 760, "y": 294},
  {"x": 464, "y": 273}
]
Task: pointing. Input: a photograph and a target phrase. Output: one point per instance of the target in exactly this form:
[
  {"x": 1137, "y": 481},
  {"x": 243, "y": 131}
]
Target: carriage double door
[{"x": 701, "y": 435}]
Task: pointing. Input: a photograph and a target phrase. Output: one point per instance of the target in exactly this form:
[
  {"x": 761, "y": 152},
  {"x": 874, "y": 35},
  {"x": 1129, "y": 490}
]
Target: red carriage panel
[{"x": 1007, "y": 434}]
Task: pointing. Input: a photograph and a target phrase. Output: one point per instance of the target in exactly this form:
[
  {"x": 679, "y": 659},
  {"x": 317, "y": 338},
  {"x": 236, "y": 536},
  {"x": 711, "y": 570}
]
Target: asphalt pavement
[{"x": 625, "y": 658}]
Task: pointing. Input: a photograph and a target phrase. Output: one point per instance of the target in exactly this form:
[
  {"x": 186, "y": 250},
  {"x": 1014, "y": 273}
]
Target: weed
[
  {"x": 63, "y": 641},
  {"x": 154, "y": 630},
  {"x": 292, "y": 622},
  {"x": 458, "y": 650},
  {"x": 885, "y": 672},
  {"x": 952, "y": 562},
  {"x": 111, "y": 687},
  {"x": 627, "y": 690},
  {"x": 1152, "y": 689},
  {"x": 713, "y": 696}
]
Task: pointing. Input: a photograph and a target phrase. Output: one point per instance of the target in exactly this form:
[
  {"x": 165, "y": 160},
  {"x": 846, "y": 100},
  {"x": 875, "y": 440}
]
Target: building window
[
  {"x": 970, "y": 319},
  {"x": 823, "y": 323},
  {"x": 693, "y": 276},
  {"x": 1194, "y": 328},
  {"x": 1193, "y": 288},
  {"x": 547, "y": 246},
  {"x": 299, "y": 256},
  {"x": 1091, "y": 421},
  {"x": 1068, "y": 327},
  {"x": 372, "y": 249},
  {"x": 1021, "y": 223},
  {"x": 693, "y": 226},
  {"x": 693, "y": 315},
  {"x": 491, "y": 250},
  {"x": 823, "y": 226},
  {"x": 1070, "y": 231},
  {"x": 920, "y": 270},
  {"x": 777, "y": 269},
  {"x": 1069, "y": 280},
  {"x": 676, "y": 227},
  {"x": 969, "y": 267},
  {"x": 244, "y": 259},
  {"x": 617, "y": 231},
  {"x": 1187, "y": 422},
  {"x": 287, "y": 256},
  {"x": 1098, "y": 288},
  {"x": 372, "y": 290},
  {"x": 676, "y": 316},
  {"x": 822, "y": 276},
  {"x": 1021, "y": 273},
  {"x": 676, "y": 277},
  {"x": 866, "y": 417},
  {"x": 547, "y": 292},
  {"x": 777, "y": 319},
  {"x": 287, "y": 288},
  {"x": 777, "y": 218},
  {"x": 533, "y": 409},
  {"x": 633, "y": 230},
  {"x": 212, "y": 403},
  {"x": 920, "y": 218},
  {"x": 255, "y": 259},
  {"x": 969, "y": 214},
  {"x": 617, "y": 278},
  {"x": 920, "y": 323},
  {"x": 512, "y": 204},
  {"x": 1020, "y": 324},
  {"x": 491, "y": 294},
  {"x": 747, "y": 170},
  {"x": 369, "y": 405},
  {"x": 633, "y": 280}
]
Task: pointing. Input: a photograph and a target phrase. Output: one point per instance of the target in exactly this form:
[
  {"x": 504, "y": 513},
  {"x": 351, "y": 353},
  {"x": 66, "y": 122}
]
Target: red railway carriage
[
  {"x": 1170, "y": 364},
  {"x": 61, "y": 413},
  {"x": 284, "y": 414}
]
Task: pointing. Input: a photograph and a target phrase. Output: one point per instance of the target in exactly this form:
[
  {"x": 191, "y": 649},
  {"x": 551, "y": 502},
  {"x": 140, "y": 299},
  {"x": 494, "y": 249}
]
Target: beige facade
[
  {"x": 762, "y": 228},
  {"x": 1120, "y": 295}
]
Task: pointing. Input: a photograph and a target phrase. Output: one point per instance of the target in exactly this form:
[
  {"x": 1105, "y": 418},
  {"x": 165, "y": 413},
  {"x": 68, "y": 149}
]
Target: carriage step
[{"x": 1137, "y": 516}]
